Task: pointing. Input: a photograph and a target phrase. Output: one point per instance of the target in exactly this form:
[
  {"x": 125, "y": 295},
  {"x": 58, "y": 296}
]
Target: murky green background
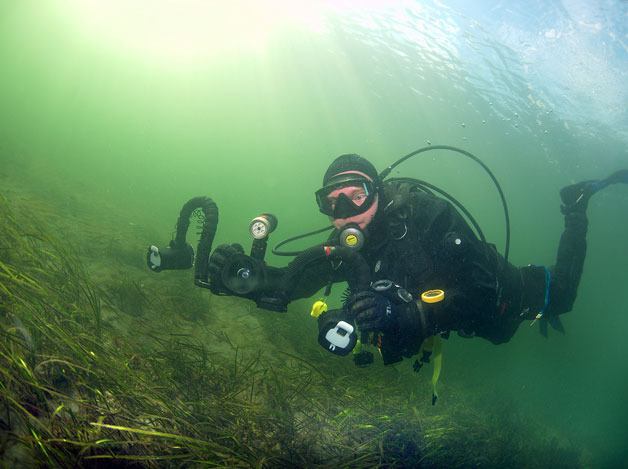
[{"x": 134, "y": 107}]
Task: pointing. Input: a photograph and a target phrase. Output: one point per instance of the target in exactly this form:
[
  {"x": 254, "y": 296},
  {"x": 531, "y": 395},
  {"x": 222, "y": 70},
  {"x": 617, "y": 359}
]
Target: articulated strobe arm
[{"x": 179, "y": 254}]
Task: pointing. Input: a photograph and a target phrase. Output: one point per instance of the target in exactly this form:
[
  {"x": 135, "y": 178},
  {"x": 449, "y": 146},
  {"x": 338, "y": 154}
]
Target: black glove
[
  {"x": 217, "y": 261},
  {"x": 389, "y": 309},
  {"x": 371, "y": 311},
  {"x": 374, "y": 310}
]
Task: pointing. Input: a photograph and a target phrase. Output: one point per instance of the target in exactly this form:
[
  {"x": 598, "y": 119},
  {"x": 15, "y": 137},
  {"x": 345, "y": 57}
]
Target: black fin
[
  {"x": 620, "y": 176},
  {"x": 543, "y": 327},
  {"x": 576, "y": 196},
  {"x": 556, "y": 324}
]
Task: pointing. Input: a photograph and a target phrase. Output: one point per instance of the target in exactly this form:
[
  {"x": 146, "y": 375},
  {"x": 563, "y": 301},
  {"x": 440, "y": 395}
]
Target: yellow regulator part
[
  {"x": 351, "y": 240},
  {"x": 433, "y": 296},
  {"x": 319, "y": 307}
]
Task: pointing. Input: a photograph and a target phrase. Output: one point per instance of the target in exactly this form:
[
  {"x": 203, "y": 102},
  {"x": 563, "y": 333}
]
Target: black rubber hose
[
  {"x": 208, "y": 232},
  {"x": 389, "y": 169},
  {"x": 428, "y": 188},
  {"x": 356, "y": 266},
  {"x": 277, "y": 252},
  {"x": 299, "y": 264},
  {"x": 360, "y": 278}
]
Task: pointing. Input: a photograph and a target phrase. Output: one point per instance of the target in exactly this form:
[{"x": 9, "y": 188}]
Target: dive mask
[{"x": 343, "y": 206}]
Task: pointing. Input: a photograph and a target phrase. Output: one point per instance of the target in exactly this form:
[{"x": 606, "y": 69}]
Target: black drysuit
[{"x": 421, "y": 242}]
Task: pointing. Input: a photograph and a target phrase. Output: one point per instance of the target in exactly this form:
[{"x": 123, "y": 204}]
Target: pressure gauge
[
  {"x": 262, "y": 226},
  {"x": 259, "y": 229}
]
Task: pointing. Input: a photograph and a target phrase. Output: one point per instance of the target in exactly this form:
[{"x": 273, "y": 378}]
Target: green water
[{"x": 117, "y": 113}]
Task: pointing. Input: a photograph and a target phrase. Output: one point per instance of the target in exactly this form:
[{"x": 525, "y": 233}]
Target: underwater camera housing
[{"x": 245, "y": 274}]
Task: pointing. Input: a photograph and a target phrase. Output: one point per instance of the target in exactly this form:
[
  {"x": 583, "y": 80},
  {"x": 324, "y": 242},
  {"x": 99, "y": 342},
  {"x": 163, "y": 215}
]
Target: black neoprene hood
[{"x": 350, "y": 162}]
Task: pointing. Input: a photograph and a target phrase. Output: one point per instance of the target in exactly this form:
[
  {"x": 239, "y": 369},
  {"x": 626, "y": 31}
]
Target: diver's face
[{"x": 357, "y": 195}]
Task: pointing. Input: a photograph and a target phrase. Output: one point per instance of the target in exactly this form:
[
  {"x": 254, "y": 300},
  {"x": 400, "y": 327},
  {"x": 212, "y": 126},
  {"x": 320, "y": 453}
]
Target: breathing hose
[{"x": 388, "y": 170}]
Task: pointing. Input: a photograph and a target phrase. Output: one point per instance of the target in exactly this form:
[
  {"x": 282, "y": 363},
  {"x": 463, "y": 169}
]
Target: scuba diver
[{"x": 415, "y": 267}]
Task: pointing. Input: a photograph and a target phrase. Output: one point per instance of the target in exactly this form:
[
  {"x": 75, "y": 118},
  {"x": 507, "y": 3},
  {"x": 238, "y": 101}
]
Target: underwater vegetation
[{"x": 95, "y": 371}]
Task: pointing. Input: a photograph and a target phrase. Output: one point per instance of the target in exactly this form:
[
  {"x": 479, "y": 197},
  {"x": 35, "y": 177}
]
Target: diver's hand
[
  {"x": 217, "y": 261},
  {"x": 371, "y": 311}
]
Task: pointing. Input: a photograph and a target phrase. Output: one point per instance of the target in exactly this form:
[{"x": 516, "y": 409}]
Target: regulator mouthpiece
[{"x": 352, "y": 237}]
